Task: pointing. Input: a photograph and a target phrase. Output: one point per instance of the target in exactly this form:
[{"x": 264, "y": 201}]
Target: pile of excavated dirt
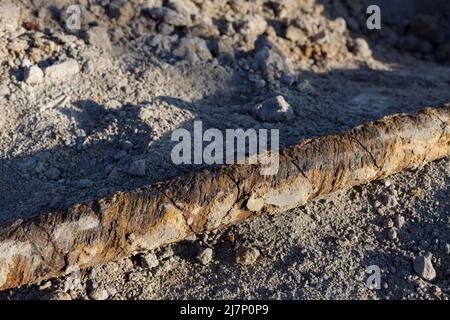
[{"x": 90, "y": 111}]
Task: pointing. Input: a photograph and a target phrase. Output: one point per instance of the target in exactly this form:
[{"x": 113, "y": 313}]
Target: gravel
[
  {"x": 62, "y": 71},
  {"x": 247, "y": 255},
  {"x": 77, "y": 134},
  {"x": 9, "y": 16},
  {"x": 149, "y": 260},
  {"x": 205, "y": 256},
  {"x": 99, "y": 294},
  {"x": 34, "y": 75},
  {"x": 424, "y": 268}
]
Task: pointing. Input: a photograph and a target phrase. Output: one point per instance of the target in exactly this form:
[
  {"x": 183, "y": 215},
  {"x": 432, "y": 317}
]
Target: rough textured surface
[
  {"x": 146, "y": 68},
  {"x": 102, "y": 230}
]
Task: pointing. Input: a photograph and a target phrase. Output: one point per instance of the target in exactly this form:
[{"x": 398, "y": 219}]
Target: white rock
[
  {"x": 399, "y": 221},
  {"x": 4, "y": 90},
  {"x": 174, "y": 18},
  {"x": 184, "y": 7},
  {"x": 98, "y": 36},
  {"x": 34, "y": 75},
  {"x": 9, "y": 16},
  {"x": 205, "y": 256},
  {"x": 362, "y": 48},
  {"x": 98, "y": 294},
  {"x": 113, "y": 104},
  {"x": 424, "y": 268},
  {"x": 62, "y": 71},
  {"x": 275, "y": 109},
  {"x": 296, "y": 35},
  {"x": 339, "y": 25},
  {"x": 149, "y": 260},
  {"x": 150, "y": 4},
  {"x": 254, "y": 25},
  {"x": 255, "y": 204}
]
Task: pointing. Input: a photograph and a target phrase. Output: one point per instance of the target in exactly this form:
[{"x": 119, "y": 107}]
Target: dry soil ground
[{"x": 84, "y": 113}]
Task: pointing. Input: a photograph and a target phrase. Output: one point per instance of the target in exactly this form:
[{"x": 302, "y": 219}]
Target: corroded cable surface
[{"x": 102, "y": 230}]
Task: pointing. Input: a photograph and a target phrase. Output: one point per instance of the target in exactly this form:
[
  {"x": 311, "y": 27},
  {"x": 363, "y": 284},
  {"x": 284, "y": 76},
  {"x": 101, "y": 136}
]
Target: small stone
[
  {"x": 253, "y": 25},
  {"x": 447, "y": 248},
  {"x": 98, "y": 36},
  {"x": 399, "y": 221},
  {"x": 34, "y": 75},
  {"x": 204, "y": 30},
  {"x": 272, "y": 62},
  {"x": 174, "y": 18},
  {"x": 4, "y": 90},
  {"x": 205, "y": 256},
  {"x": 166, "y": 266},
  {"x": 149, "y": 260},
  {"x": 362, "y": 49},
  {"x": 275, "y": 109},
  {"x": 388, "y": 223},
  {"x": 113, "y": 104},
  {"x": 85, "y": 183},
  {"x": 72, "y": 281},
  {"x": 255, "y": 204},
  {"x": 111, "y": 291},
  {"x": 424, "y": 268},
  {"x": 191, "y": 238},
  {"x": 137, "y": 168},
  {"x": 184, "y": 7},
  {"x": 45, "y": 285},
  {"x": 98, "y": 294},
  {"x": 194, "y": 45},
  {"x": 62, "y": 71},
  {"x": 225, "y": 48},
  {"x": 52, "y": 173},
  {"x": 39, "y": 167},
  {"x": 259, "y": 84},
  {"x": 392, "y": 234},
  {"x": 389, "y": 200},
  {"x": 296, "y": 35},
  {"x": 151, "y": 4},
  {"x": 247, "y": 256},
  {"x": 9, "y": 16},
  {"x": 339, "y": 25},
  {"x": 121, "y": 10}
]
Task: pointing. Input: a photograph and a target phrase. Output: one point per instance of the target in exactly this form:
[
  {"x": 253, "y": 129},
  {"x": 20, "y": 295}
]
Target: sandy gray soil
[{"x": 135, "y": 72}]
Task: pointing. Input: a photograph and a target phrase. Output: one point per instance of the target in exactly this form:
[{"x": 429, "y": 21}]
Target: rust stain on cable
[{"x": 102, "y": 230}]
